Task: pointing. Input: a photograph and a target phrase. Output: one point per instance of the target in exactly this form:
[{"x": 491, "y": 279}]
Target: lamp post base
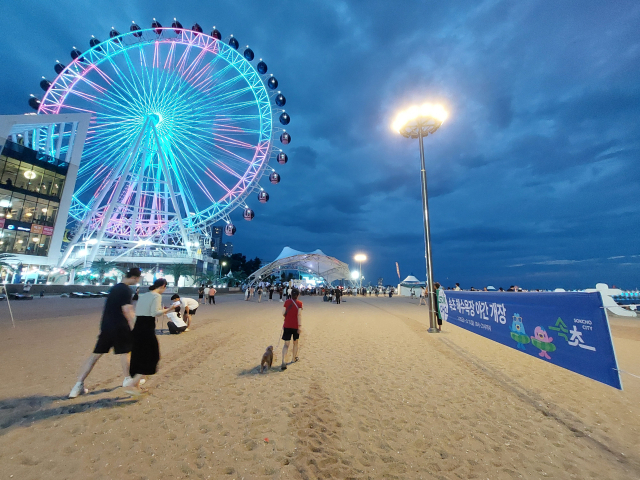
[{"x": 433, "y": 330}]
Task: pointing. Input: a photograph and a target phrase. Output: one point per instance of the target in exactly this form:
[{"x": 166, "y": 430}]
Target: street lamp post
[
  {"x": 419, "y": 122},
  {"x": 360, "y": 257},
  {"x": 220, "y": 272}
]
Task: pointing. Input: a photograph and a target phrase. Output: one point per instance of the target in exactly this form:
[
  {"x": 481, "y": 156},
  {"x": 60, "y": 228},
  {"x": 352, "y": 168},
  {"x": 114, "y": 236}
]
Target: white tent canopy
[
  {"x": 411, "y": 280},
  {"x": 315, "y": 263},
  {"x": 408, "y": 284}
]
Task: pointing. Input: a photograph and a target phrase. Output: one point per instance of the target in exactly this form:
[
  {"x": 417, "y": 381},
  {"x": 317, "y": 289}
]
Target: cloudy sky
[{"x": 533, "y": 179}]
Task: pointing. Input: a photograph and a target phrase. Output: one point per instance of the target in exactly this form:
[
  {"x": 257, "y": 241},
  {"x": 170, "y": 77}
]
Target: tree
[
  {"x": 238, "y": 277},
  {"x": 180, "y": 270},
  {"x": 101, "y": 268},
  {"x": 252, "y": 265},
  {"x": 206, "y": 278}
]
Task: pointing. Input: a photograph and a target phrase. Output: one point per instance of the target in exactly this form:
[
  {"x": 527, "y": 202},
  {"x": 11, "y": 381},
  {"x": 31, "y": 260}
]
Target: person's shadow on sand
[
  {"x": 256, "y": 370},
  {"x": 23, "y": 411}
]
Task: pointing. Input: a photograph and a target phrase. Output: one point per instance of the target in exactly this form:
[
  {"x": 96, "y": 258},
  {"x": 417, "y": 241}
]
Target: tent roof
[
  {"x": 411, "y": 279},
  {"x": 290, "y": 252},
  {"x": 315, "y": 262}
]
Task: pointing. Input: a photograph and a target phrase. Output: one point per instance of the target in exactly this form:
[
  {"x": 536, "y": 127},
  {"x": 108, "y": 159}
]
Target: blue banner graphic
[{"x": 569, "y": 330}]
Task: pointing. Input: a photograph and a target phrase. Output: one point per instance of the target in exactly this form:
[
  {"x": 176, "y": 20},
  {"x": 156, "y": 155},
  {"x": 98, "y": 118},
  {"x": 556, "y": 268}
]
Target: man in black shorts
[
  {"x": 115, "y": 330},
  {"x": 190, "y": 306}
]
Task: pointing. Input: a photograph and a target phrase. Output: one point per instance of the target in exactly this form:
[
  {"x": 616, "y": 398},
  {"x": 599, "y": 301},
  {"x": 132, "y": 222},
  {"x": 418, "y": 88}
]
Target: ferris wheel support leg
[
  {"x": 182, "y": 194},
  {"x": 174, "y": 200},
  {"x": 96, "y": 205},
  {"x": 116, "y": 195},
  {"x": 136, "y": 208}
]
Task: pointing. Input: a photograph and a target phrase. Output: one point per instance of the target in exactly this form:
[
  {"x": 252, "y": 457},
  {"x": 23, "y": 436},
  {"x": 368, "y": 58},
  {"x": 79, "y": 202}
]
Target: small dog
[{"x": 267, "y": 359}]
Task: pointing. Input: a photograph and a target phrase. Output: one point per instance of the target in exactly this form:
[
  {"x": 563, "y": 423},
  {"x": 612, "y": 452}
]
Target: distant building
[
  {"x": 39, "y": 160},
  {"x": 216, "y": 240},
  {"x": 227, "y": 249}
]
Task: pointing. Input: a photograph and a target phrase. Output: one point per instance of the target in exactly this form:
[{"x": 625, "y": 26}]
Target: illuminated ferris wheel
[{"x": 183, "y": 127}]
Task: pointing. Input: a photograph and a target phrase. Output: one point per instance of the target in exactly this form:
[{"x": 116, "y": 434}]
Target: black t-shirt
[{"x": 112, "y": 316}]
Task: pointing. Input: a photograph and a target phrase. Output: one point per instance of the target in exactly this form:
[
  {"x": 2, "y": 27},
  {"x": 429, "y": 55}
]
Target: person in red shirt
[{"x": 292, "y": 311}]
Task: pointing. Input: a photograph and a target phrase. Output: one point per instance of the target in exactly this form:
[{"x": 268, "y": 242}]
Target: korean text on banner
[{"x": 569, "y": 330}]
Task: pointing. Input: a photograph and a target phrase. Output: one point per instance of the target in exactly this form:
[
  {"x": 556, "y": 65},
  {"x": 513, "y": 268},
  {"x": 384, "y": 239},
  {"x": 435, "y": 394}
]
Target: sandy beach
[{"x": 373, "y": 396}]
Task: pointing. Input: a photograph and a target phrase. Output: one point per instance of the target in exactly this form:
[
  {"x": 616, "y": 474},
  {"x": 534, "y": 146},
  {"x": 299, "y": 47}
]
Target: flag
[{"x": 398, "y": 270}]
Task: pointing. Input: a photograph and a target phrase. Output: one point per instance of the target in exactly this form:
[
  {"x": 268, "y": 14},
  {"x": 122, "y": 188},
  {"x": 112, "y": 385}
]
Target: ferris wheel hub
[{"x": 156, "y": 118}]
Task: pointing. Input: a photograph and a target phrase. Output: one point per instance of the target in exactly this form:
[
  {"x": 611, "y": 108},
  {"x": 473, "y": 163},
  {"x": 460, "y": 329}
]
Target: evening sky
[{"x": 533, "y": 179}]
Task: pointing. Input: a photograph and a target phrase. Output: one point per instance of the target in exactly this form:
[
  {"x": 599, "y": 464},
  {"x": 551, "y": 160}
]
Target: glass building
[{"x": 31, "y": 186}]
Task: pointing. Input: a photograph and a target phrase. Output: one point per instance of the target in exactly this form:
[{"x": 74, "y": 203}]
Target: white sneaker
[
  {"x": 128, "y": 382},
  {"x": 78, "y": 389}
]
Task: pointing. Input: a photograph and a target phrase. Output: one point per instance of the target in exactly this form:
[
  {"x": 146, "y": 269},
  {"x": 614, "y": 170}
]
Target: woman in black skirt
[{"x": 145, "y": 353}]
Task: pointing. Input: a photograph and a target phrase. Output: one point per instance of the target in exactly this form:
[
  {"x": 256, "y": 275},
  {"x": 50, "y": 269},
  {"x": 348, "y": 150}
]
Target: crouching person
[{"x": 176, "y": 324}]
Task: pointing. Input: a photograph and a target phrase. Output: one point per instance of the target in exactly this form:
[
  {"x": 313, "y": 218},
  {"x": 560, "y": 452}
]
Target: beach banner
[{"x": 569, "y": 330}]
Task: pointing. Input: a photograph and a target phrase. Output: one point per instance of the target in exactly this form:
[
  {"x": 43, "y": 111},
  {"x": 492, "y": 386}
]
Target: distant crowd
[{"x": 283, "y": 292}]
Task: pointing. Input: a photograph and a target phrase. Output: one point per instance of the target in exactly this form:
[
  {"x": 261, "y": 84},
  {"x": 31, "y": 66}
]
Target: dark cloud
[{"x": 305, "y": 156}]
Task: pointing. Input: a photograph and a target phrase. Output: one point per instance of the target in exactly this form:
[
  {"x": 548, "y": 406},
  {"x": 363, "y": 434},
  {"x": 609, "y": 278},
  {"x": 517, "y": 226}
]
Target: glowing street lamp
[
  {"x": 220, "y": 276},
  {"x": 360, "y": 257},
  {"x": 418, "y": 122}
]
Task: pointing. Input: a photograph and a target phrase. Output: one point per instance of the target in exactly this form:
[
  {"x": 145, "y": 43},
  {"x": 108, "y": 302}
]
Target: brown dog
[{"x": 267, "y": 359}]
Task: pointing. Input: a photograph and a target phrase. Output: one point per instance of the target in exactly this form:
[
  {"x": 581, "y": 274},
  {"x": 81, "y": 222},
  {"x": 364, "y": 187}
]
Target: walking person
[
  {"x": 207, "y": 291},
  {"x": 292, "y": 312},
  {"x": 270, "y": 293},
  {"x": 115, "y": 330},
  {"x": 145, "y": 353},
  {"x": 246, "y": 294},
  {"x": 280, "y": 292},
  {"x": 423, "y": 294},
  {"x": 259, "y": 293},
  {"x": 212, "y": 295},
  {"x": 201, "y": 295},
  {"x": 338, "y": 296}
]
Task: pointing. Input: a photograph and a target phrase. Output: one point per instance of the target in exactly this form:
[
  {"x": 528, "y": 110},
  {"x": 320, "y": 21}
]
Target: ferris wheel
[{"x": 183, "y": 127}]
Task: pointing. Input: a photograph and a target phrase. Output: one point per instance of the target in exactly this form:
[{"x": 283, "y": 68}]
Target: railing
[{"x": 25, "y": 154}]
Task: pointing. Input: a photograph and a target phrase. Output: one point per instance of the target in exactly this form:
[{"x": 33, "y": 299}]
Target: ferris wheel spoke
[
  {"x": 98, "y": 88},
  {"x": 124, "y": 83},
  {"x": 134, "y": 80},
  {"x": 183, "y": 185},
  {"x": 232, "y": 141},
  {"x": 234, "y": 157},
  {"x": 195, "y": 160},
  {"x": 227, "y": 169},
  {"x": 168, "y": 63},
  {"x": 227, "y": 86},
  {"x": 194, "y": 69},
  {"x": 184, "y": 57}
]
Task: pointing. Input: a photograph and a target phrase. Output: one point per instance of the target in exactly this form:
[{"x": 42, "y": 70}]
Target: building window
[
  {"x": 7, "y": 238},
  {"x": 9, "y": 168}
]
